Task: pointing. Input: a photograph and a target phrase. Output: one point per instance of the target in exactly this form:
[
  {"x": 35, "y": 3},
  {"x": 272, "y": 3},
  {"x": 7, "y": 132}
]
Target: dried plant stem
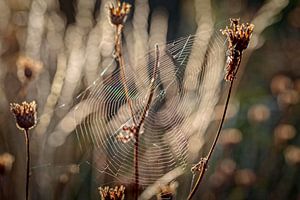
[
  {"x": 137, "y": 125},
  {"x": 25, "y": 115},
  {"x": 204, "y": 161},
  {"x": 121, "y": 62},
  {"x": 152, "y": 87},
  {"x": 141, "y": 121},
  {"x": 136, "y": 166},
  {"x": 26, "y": 133}
]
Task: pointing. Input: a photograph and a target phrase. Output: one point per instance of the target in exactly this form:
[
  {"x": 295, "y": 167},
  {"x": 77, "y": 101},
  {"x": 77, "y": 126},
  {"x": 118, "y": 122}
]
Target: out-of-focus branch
[
  {"x": 68, "y": 124},
  {"x": 211, "y": 78},
  {"x": 204, "y": 20},
  {"x": 164, "y": 180},
  {"x": 158, "y": 33},
  {"x": 140, "y": 39},
  {"x": 52, "y": 99},
  {"x": 265, "y": 17},
  {"x": 76, "y": 50},
  {"x": 99, "y": 46},
  {"x": 36, "y": 24}
]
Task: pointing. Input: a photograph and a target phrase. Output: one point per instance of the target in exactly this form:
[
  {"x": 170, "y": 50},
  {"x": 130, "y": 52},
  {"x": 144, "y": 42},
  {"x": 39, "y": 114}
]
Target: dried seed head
[
  {"x": 118, "y": 14},
  {"x": 107, "y": 193},
  {"x": 25, "y": 114},
  {"x": 238, "y": 36}
]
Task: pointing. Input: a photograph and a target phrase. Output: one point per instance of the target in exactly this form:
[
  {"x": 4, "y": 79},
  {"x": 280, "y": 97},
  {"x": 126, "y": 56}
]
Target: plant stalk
[
  {"x": 121, "y": 62},
  {"x": 137, "y": 125},
  {"x": 136, "y": 166},
  {"x": 27, "y": 163},
  {"x": 203, "y": 166},
  {"x": 141, "y": 121}
]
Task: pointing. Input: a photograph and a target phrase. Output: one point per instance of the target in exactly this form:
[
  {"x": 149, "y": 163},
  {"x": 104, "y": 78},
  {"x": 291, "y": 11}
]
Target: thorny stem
[
  {"x": 27, "y": 162},
  {"x": 121, "y": 62},
  {"x": 204, "y": 161}
]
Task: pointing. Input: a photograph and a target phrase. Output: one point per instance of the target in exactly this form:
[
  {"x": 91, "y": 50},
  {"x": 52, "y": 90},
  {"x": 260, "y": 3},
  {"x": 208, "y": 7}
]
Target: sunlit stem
[
  {"x": 203, "y": 166},
  {"x": 136, "y": 165},
  {"x": 140, "y": 123},
  {"x": 26, "y": 133},
  {"x": 152, "y": 87},
  {"x": 121, "y": 62}
]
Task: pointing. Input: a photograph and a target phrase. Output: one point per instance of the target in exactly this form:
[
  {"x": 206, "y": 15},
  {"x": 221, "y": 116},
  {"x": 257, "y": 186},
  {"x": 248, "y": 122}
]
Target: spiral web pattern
[{"x": 163, "y": 140}]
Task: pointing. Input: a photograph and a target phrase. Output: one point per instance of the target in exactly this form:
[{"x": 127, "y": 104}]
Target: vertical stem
[
  {"x": 136, "y": 166},
  {"x": 27, "y": 162},
  {"x": 140, "y": 123},
  {"x": 221, "y": 123},
  {"x": 206, "y": 159},
  {"x": 120, "y": 60}
]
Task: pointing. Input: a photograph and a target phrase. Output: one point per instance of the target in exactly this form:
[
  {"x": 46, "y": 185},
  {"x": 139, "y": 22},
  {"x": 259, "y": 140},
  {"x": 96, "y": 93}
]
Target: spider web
[{"x": 186, "y": 69}]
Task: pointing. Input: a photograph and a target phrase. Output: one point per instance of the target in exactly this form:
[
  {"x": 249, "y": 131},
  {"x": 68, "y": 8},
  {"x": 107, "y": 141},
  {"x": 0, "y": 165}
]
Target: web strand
[{"x": 164, "y": 139}]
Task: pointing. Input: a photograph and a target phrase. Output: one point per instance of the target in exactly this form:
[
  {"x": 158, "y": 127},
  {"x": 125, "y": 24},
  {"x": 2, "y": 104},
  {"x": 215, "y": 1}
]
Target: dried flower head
[
  {"x": 27, "y": 68},
  {"x": 108, "y": 193},
  {"x": 238, "y": 36},
  {"x": 118, "y": 14},
  {"x": 25, "y": 114}
]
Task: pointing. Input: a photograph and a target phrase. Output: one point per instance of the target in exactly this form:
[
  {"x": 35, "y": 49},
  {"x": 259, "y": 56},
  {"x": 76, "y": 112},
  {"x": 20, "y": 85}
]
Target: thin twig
[
  {"x": 238, "y": 36},
  {"x": 136, "y": 166},
  {"x": 140, "y": 123},
  {"x": 152, "y": 87},
  {"x": 27, "y": 162},
  {"x": 121, "y": 62},
  {"x": 204, "y": 161}
]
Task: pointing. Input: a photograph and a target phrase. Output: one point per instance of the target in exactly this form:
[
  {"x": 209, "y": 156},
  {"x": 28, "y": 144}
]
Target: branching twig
[
  {"x": 117, "y": 17},
  {"x": 238, "y": 36},
  {"x": 137, "y": 128}
]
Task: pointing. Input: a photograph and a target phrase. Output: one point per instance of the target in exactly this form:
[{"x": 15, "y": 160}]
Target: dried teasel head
[
  {"x": 238, "y": 36},
  {"x": 25, "y": 114},
  {"x": 118, "y": 14},
  {"x": 107, "y": 193}
]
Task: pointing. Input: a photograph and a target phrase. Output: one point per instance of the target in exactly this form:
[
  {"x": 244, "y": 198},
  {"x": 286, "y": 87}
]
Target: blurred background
[{"x": 52, "y": 51}]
